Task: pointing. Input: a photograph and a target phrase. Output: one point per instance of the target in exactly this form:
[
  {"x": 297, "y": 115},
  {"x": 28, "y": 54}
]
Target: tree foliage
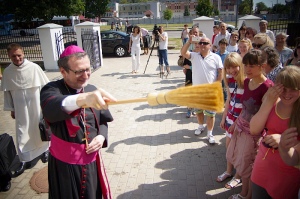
[
  {"x": 216, "y": 12},
  {"x": 244, "y": 7},
  {"x": 186, "y": 11},
  {"x": 204, "y": 8},
  {"x": 96, "y": 8},
  {"x": 167, "y": 14},
  {"x": 26, "y": 10},
  {"x": 132, "y": 1},
  {"x": 261, "y": 7},
  {"x": 281, "y": 9}
]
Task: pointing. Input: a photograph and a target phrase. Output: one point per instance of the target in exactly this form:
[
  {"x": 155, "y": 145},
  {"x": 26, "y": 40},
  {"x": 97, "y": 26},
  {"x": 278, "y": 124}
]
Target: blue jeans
[
  {"x": 163, "y": 57},
  {"x": 184, "y": 40}
]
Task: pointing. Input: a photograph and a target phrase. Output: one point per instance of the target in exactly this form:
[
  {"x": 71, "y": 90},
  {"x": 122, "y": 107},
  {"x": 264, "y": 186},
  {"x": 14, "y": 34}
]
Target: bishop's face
[{"x": 79, "y": 72}]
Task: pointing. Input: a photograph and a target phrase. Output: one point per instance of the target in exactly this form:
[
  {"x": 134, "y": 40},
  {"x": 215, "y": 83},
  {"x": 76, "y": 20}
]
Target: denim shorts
[{"x": 206, "y": 112}]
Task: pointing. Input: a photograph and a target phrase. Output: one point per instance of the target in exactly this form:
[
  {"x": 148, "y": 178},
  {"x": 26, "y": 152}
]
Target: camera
[
  {"x": 196, "y": 39},
  {"x": 155, "y": 31}
]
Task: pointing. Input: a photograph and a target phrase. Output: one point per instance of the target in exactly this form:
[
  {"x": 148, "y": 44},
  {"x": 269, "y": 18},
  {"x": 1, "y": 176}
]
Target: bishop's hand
[
  {"x": 96, "y": 99},
  {"x": 95, "y": 145}
]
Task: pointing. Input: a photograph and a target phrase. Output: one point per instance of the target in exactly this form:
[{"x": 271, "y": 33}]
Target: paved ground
[{"x": 153, "y": 152}]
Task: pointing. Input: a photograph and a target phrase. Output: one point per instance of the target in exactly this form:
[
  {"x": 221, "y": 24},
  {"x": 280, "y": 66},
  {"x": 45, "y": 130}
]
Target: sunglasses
[
  {"x": 257, "y": 45},
  {"x": 203, "y": 43}
]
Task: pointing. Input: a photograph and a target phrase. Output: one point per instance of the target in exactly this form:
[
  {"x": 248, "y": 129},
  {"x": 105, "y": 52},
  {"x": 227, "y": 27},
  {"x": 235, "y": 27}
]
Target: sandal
[
  {"x": 223, "y": 177},
  {"x": 236, "y": 196},
  {"x": 232, "y": 183}
]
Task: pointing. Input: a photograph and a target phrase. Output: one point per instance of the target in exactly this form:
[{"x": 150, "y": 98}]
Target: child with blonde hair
[
  {"x": 233, "y": 77},
  {"x": 271, "y": 176},
  {"x": 244, "y": 46}
]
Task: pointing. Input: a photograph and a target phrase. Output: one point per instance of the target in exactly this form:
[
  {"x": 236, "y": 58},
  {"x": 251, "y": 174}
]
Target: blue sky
[{"x": 268, "y": 2}]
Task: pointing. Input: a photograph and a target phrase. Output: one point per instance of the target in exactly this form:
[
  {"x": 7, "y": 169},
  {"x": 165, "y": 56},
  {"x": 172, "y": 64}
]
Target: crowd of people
[
  {"x": 261, "y": 82},
  {"x": 260, "y": 76}
]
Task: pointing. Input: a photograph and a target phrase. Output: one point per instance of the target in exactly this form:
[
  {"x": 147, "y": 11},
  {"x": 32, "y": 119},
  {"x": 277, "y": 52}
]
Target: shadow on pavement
[{"x": 183, "y": 180}]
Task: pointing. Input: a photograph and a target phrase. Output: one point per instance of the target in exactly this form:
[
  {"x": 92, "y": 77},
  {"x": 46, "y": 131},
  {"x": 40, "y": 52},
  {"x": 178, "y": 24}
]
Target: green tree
[
  {"x": 204, "y": 8},
  {"x": 167, "y": 14},
  {"x": 26, "y": 10},
  {"x": 186, "y": 11},
  {"x": 96, "y": 8},
  {"x": 261, "y": 7},
  {"x": 216, "y": 12},
  {"x": 244, "y": 7},
  {"x": 281, "y": 9}
]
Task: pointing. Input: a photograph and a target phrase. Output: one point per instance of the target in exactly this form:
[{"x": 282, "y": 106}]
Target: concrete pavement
[{"x": 153, "y": 152}]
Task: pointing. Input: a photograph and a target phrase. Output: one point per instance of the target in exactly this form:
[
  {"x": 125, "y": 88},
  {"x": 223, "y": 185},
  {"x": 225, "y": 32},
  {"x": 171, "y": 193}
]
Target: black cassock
[{"x": 69, "y": 180}]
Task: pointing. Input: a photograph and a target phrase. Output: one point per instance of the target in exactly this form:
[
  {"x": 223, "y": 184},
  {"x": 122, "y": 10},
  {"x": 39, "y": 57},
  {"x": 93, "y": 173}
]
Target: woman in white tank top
[{"x": 135, "y": 48}]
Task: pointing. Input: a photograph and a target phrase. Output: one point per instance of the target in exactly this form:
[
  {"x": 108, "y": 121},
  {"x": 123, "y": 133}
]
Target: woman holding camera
[{"x": 163, "y": 50}]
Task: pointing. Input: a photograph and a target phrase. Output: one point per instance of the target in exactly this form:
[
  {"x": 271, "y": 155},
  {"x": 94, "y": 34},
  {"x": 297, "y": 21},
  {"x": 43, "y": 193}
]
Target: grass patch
[{"x": 176, "y": 42}]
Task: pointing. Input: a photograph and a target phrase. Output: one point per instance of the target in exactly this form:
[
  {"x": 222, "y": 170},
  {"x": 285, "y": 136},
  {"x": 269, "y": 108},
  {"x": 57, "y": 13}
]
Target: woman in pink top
[{"x": 271, "y": 177}]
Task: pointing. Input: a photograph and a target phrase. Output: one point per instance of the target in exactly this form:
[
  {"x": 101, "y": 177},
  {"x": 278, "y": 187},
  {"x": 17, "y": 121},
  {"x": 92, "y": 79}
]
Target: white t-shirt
[
  {"x": 135, "y": 40},
  {"x": 163, "y": 44},
  {"x": 185, "y": 33},
  {"x": 231, "y": 48},
  {"x": 205, "y": 70},
  {"x": 220, "y": 36},
  {"x": 144, "y": 32}
]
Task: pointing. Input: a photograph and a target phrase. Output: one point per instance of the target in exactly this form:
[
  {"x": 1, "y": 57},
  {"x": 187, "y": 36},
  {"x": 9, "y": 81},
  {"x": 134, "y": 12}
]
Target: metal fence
[
  {"x": 91, "y": 45},
  {"x": 27, "y": 38},
  {"x": 286, "y": 26},
  {"x": 67, "y": 37}
]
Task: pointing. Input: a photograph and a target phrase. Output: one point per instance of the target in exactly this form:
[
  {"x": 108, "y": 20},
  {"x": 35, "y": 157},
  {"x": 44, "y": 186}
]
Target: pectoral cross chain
[{"x": 84, "y": 128}]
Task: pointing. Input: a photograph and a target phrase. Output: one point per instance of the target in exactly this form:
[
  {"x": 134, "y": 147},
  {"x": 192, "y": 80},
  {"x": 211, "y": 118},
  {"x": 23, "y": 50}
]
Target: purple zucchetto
[{"x": 70, "y": 50}]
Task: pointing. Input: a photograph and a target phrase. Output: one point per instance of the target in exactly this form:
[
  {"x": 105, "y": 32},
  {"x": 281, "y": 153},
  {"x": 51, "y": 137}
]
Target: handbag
[
  {"x": 180, "y": 61},
  {"x": 45, "y": 130},
  {"x": 7, "y": 153}
]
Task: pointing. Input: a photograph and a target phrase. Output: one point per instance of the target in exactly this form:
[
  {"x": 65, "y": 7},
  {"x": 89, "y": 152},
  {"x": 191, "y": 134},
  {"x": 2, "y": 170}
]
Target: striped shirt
[{"x": 235, "y": 105}]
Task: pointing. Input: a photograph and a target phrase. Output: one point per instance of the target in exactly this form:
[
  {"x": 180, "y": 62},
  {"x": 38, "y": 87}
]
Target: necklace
[{"x": 82, "y": 119}]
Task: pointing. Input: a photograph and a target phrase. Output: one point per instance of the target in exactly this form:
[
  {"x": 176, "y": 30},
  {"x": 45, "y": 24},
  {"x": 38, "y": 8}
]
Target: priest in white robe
[{"x": 21, "y": 82}]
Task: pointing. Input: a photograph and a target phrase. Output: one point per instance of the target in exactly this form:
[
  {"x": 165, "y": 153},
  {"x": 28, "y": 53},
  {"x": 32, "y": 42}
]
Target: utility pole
[{"x": 236, "y": 13}]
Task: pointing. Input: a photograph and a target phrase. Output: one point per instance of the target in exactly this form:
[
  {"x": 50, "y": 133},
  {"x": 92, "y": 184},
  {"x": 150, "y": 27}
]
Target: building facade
[
  {"x": 155, "y": 9},
  {"x": 136, "y": 10}
]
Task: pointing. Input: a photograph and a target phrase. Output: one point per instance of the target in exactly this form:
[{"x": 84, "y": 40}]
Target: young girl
[
  {"x": 244, "y": 46},
  {"x": 234, "y": 81},
  {"x": 250, "y": 33},
  {"x": 242, "y": 148},
  {"x": 242, "y": 32},
  {"x": 271, "y": 177},
  {"x": 135, "y": 48}
]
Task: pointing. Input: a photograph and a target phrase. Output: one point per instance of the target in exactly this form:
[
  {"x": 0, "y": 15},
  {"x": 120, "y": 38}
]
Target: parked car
[
  {"x": 230, "y": 28},
  {"x": 103, "y": 20},
  {"x": 116, "y": 42}
]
